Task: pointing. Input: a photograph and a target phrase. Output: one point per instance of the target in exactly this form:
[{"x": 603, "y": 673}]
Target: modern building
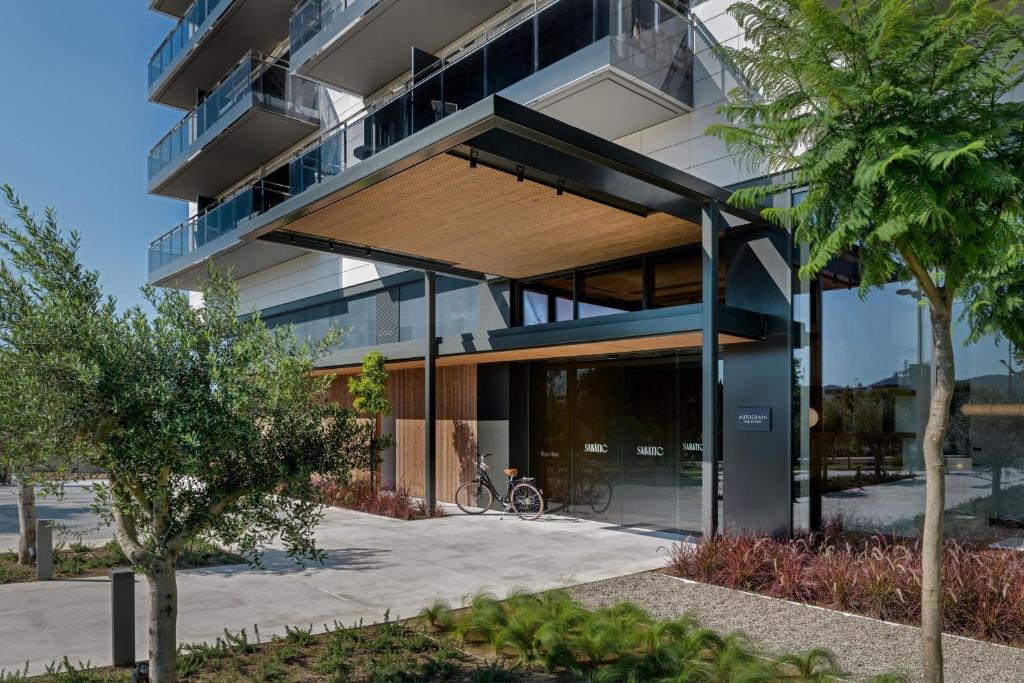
[{"x": 515, "y": 202}]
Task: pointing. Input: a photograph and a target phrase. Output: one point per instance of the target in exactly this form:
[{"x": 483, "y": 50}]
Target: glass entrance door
[{"x": 619, "y": 440}]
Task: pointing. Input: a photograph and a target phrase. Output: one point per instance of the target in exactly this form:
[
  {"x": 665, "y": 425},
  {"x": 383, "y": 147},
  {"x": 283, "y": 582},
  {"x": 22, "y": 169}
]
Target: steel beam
[
  {"x": 711, "y": 228},
  {"x": 328, "y": 246},
  {"x": 430, "y": 390}
]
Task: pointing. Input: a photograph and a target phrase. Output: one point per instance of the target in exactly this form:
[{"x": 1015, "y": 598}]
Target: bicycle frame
[{"x": 483, "y": 478}]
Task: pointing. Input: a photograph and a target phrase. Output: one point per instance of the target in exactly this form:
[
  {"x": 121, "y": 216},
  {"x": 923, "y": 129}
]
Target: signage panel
[{"x": 754, "y": 419}]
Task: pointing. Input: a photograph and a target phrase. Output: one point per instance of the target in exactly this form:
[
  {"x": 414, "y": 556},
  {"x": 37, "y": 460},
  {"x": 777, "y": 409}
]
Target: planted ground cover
[
  {"x": 871, "y": 575},
  {"x": 546, "y": 637},
  {"x": 362, "y": 496},
  {"x": 79, "y": 560}
]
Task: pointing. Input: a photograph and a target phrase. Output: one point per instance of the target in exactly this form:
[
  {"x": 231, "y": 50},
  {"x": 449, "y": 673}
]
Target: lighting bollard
[
  {"x": 122, "y": 617},
  {"x": 44, "y": 550}
]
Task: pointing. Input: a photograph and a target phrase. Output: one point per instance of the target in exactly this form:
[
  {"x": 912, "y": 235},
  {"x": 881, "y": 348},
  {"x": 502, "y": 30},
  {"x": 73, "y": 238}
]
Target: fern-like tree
[
  {"x": 208, "y": 424},
  {"x": 899, "y": 118}
]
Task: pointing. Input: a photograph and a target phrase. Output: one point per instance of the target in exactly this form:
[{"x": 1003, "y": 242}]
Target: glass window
[
  {"x": 548, "y": 300},
  {"x": 410, "y": 311},
  {"x": 619, "y": 441},
  {"x": 611, "y": 291},
  {"x": 875, "y": 384},
  {"x": 535, "y": 308},
  {"x": 458, "y": 308},
  {"x": 677, "y": 279}
]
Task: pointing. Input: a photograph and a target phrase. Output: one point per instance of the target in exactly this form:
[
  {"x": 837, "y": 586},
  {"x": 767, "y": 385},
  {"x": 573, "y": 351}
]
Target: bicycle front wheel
[
  {"x": 527, "y": 501},
  {"x": 473, "y": 498}
]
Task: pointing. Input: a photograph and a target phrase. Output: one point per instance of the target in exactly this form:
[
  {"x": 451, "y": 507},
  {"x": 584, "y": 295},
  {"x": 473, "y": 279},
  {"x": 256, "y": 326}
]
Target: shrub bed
[
  {"x": 871, "y": 575},
  {"x": 79, "y": 559},
  {"x": 360, "y": 495},
  {"x": 535, "y": 638}
]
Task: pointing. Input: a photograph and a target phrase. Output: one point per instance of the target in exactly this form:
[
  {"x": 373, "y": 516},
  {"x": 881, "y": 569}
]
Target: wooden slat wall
[{"x": 456, "y": 425}]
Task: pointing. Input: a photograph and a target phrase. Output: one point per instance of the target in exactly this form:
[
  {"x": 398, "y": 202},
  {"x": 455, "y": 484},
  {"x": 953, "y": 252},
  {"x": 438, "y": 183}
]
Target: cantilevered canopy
[{"x": 499, "y": 189}]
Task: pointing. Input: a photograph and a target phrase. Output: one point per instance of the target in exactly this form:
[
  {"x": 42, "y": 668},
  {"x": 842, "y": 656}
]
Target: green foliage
[
  {"x": 437, "y": 616},
  {"x": 897, "y": 117},
  {"x": 66, "y": 672},
  {"x": 209, "y": 425},
  {"x": 370, "y": 400},
  {"x": 369, "y": 387},
  {"x": 44, "y": 294},
  {"x": 618, "y": 643}
]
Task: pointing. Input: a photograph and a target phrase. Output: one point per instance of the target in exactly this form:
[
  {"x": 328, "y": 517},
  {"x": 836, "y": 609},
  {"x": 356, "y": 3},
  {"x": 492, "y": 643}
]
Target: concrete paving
[
  {"x": 75, "y": 521},
  {"x": 374, "y": 565}
]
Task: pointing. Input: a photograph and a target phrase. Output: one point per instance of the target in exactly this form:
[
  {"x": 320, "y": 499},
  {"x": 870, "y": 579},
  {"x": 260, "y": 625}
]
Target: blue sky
[{"x": 75, "y": 126}]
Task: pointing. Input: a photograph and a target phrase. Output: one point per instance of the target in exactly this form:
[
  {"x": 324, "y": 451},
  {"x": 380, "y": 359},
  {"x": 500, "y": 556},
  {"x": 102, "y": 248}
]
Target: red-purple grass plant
[
  {"x": 360, "y": 495},
  {"x": 873, "y": 575}
]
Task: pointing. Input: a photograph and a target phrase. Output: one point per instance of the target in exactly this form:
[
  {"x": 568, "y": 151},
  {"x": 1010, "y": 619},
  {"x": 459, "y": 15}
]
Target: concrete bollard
[
  {"x": 122, "y": 617},
  {"x": 44, "y": 550}
]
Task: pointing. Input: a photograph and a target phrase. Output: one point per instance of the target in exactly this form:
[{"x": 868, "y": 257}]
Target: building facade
[{"x": 515, "y": 201}]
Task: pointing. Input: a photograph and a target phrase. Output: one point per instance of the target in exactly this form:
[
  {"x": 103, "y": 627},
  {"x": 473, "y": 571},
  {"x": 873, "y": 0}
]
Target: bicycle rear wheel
[
  {"x": 527, "y": 501},
  {"x": 473, "y": 498}
]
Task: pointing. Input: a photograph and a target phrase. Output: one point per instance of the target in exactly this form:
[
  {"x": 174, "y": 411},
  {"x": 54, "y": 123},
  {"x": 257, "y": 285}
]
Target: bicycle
[{"x": 521, "y": 496}]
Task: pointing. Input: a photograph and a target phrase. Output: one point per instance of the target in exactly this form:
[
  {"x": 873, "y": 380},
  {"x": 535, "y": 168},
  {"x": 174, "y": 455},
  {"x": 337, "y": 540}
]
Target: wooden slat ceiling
[
  {"x": 682, "y": 340},
  {"x": 484, "y": 220}
]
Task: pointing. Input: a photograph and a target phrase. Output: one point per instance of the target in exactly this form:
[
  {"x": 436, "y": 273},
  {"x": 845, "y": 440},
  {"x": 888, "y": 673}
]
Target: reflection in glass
[
  {"x": 619, "y": 440},
  {"x": 615, "y": 290},
  {"x": 875, "y": 387}
]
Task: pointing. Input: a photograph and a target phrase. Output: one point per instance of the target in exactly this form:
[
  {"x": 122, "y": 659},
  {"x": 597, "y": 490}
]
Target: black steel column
[
  {"x": 711, "y": 223},
  {"x": 430, "y": 390}
]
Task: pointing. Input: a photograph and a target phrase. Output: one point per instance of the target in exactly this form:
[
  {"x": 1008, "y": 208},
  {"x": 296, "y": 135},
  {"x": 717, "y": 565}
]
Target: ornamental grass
[{"x": 871, "y": 575}]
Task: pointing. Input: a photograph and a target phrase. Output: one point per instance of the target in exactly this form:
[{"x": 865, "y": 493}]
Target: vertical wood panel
[{"x": 456, "y": 428}]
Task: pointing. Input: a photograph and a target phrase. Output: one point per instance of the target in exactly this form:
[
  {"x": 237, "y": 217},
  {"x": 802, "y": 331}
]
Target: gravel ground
[{"x": 864, "y": 647}]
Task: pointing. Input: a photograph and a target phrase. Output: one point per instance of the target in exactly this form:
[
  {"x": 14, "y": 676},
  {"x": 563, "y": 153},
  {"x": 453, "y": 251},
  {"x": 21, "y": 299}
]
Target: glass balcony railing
[
  {"x": 648, "y": 39},
  {"x": 220, "y": 219},
  {"x": 181, "y": 36},
  {"x": 310, "y": 17},
  {"x": 256, "y": 80}
]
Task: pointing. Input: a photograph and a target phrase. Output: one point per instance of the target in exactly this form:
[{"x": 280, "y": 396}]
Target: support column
[
  {"x": 711, "y": 224},
  {"x": 430, "y": 390}
]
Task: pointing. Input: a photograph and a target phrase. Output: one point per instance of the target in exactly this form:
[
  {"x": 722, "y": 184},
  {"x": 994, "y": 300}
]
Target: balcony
[
  {"x": 207, "y": 40},
  {"x": 172, "y": 8},
  {"x": 255, "y": 113},
  {"x": 361, "y": 45},
  {"x": 608, "y": 73},
  {"x": 220, "y": 219},
  {"x": 611, "y": 62}
]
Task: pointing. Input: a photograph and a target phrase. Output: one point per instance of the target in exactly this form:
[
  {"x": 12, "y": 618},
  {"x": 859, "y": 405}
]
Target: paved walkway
[
  {"x": 76, "y": 521},
  {"x": 374, "y": 565}
]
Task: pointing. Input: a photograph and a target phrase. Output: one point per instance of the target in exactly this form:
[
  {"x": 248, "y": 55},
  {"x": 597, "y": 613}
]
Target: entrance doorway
[{"x": 618, "y": 440}]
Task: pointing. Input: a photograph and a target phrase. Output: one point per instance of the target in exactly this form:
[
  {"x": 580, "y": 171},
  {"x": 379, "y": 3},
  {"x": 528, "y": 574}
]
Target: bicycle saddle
[{"x": 510, "y": 471}]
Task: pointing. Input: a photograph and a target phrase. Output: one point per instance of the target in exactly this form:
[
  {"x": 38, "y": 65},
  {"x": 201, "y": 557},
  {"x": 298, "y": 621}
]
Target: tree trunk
[
  {"x": 26, "y": 520},
  {"x": 163, "y": 621},
  {"x": 935, "y": 495}
]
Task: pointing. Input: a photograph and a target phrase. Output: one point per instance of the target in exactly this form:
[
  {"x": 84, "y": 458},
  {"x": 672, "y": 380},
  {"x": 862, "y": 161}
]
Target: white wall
[{"x": 307, "y": 275}]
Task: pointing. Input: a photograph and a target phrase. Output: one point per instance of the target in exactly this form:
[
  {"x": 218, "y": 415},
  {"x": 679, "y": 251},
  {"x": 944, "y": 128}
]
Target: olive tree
[
  {"x": 44, "y": 293},
  {"x": 207, "y": 423},
  {"x": 899, "y": 118}
]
